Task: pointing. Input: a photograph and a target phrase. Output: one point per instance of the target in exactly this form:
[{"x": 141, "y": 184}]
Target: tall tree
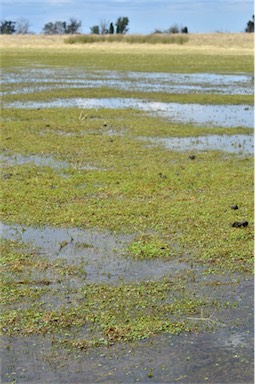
[
  {"x": 7, "y": 27},
  {"x": 111, "y": 29},
  {"x": 121, "y": 25}
]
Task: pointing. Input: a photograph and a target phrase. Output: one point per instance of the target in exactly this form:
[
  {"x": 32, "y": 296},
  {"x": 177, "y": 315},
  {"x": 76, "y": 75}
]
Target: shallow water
[
  {"x": 210, "y": 115},
  {"x": 41, "y": 161},
  {"x": 219, "y": 356},
  {"x": 134, "y": 81},
  {"x": 239, "y": 144},
  {"x": 102, "y": 253}
]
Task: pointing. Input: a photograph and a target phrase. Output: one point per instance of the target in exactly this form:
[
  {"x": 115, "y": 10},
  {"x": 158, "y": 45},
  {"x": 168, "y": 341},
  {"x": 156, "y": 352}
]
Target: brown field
[{"x": 225, "y": 43}]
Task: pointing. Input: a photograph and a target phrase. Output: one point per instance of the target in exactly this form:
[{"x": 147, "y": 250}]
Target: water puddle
[
  {"x": 209, "y": 115},
  {"x": 101, "y": 253},
  {"x": 41, "y": 161},
  {"x": 239, "y": 144},
  {"x": 134, "y": 81}
]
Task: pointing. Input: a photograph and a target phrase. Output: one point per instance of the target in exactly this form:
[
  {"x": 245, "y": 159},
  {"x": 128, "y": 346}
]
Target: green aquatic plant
[{"x": 149, "y": 247}]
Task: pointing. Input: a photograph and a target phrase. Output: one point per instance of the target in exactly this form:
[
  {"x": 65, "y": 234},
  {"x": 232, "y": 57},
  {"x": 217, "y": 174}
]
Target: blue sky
[{"x": 144, "y": 15}]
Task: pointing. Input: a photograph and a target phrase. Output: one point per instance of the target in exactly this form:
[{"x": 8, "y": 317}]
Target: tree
[
  {"x": 111, "y": 29},
  {"x": 22, "y": 26},
  {"x": 102, "y": 29},
  {"x": 61, "y": 27},
  {"x": 173, "y": 29},
  {"x": 121, "y": 25},
  {"x": 7, "y": 27},
  {"x": 250, "y": 26},
  {"x": 57, "y": 28},
  {"x": 94, "y": 30},
  {"x": 184, "y": 30},
  {"x": 73, "y": 26}
]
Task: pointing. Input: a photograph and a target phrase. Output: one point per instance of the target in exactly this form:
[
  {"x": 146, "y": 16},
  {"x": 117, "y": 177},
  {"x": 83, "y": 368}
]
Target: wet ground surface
[
  {"x": 210, "y": 115},
  {"x": 222, "y": 355},
  {"x": 42, "y": 161},
  {"x": 102, "y": 253},
  {"x": 53, "y": 78},
  {"x": 239, "y": 144}
]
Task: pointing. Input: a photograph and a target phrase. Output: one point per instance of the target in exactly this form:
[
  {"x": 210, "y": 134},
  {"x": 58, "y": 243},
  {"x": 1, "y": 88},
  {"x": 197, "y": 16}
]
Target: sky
[{"x": 145, "y": 16}]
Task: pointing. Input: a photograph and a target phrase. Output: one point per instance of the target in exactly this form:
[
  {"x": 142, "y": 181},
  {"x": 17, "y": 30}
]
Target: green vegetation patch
[
  {"x": 149, "y": 247},
  {"x": 107, "y": 314},
  {"x": 27, "y": 274},
  {"x": 165, "y": 61},
  {"x": 59, "y": 130},
  {"x": 37, "y": 299},
  {"x": 47, "y": 95},
  {"x": 112, "y": 180}
]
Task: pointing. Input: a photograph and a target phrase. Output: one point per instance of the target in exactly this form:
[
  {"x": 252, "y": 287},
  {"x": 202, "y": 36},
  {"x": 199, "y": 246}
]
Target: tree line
[
  {"x": 22, "y": 26},
  {"x": 105, "y": 28}
]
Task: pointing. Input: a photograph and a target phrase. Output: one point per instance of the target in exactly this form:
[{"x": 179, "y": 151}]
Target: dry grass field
[{"x": 215, "y": 43}]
